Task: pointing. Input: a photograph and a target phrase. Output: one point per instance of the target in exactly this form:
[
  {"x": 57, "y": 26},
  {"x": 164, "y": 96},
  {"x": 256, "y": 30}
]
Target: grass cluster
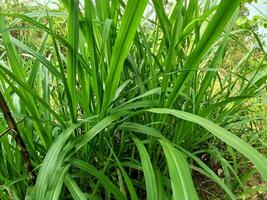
[{"x": 119, "y": 100}]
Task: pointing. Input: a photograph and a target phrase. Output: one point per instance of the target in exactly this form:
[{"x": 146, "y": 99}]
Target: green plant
[{"x": 121, "y": 110}]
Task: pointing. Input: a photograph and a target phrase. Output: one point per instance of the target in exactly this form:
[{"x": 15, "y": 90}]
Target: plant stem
[{"x": 16, "y": 135}]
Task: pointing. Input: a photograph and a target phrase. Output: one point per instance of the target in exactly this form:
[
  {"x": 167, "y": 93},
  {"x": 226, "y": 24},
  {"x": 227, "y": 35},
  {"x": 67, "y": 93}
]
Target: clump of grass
[{"x": 122, "y": 107}]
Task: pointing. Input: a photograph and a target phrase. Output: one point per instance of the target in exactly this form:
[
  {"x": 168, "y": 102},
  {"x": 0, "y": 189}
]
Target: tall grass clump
[{"x": 119, "y": 100}]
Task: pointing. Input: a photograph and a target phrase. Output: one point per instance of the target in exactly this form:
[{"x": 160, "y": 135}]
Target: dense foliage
[{"x": 130, "y": 100}]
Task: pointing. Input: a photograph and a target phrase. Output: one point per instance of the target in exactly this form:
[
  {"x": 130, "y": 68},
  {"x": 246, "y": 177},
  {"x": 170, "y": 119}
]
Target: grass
[{"x": 115, "y": 102}]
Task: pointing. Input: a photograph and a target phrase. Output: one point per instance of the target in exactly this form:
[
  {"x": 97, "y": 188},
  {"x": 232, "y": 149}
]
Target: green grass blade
[
  {"x": 212, "y": 174},
  {"x": 234, "y": 141},
  {"x": 129, "y": 24},
  {"x": 4, "y": 71},
  {"x": 44, "y": 175},
  {"x": 139, "y": 128},
  {"x": 175, "y": 36},
  {"x": 55, "y": 193},
  {"x": 37, "y": 55},
  {"x": 181, "y": 179},
  {"x": 72, "y": 59},
  {"x": 151, "y": 187},
  {"x": 218, "y": 23},
  {"x": 74, "y": 189},
  {"x": 84, "y": 139},
  {"x": 102, "y": 178},
  {"x": 163, "y": 18},
  {"x": 64, "y": 78},
  {"x": 127, "y": 179}
]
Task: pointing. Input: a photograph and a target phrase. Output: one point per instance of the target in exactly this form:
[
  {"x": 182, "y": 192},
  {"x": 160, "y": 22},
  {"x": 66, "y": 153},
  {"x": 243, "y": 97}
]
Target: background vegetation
[{"x": 132, "y": 100}]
